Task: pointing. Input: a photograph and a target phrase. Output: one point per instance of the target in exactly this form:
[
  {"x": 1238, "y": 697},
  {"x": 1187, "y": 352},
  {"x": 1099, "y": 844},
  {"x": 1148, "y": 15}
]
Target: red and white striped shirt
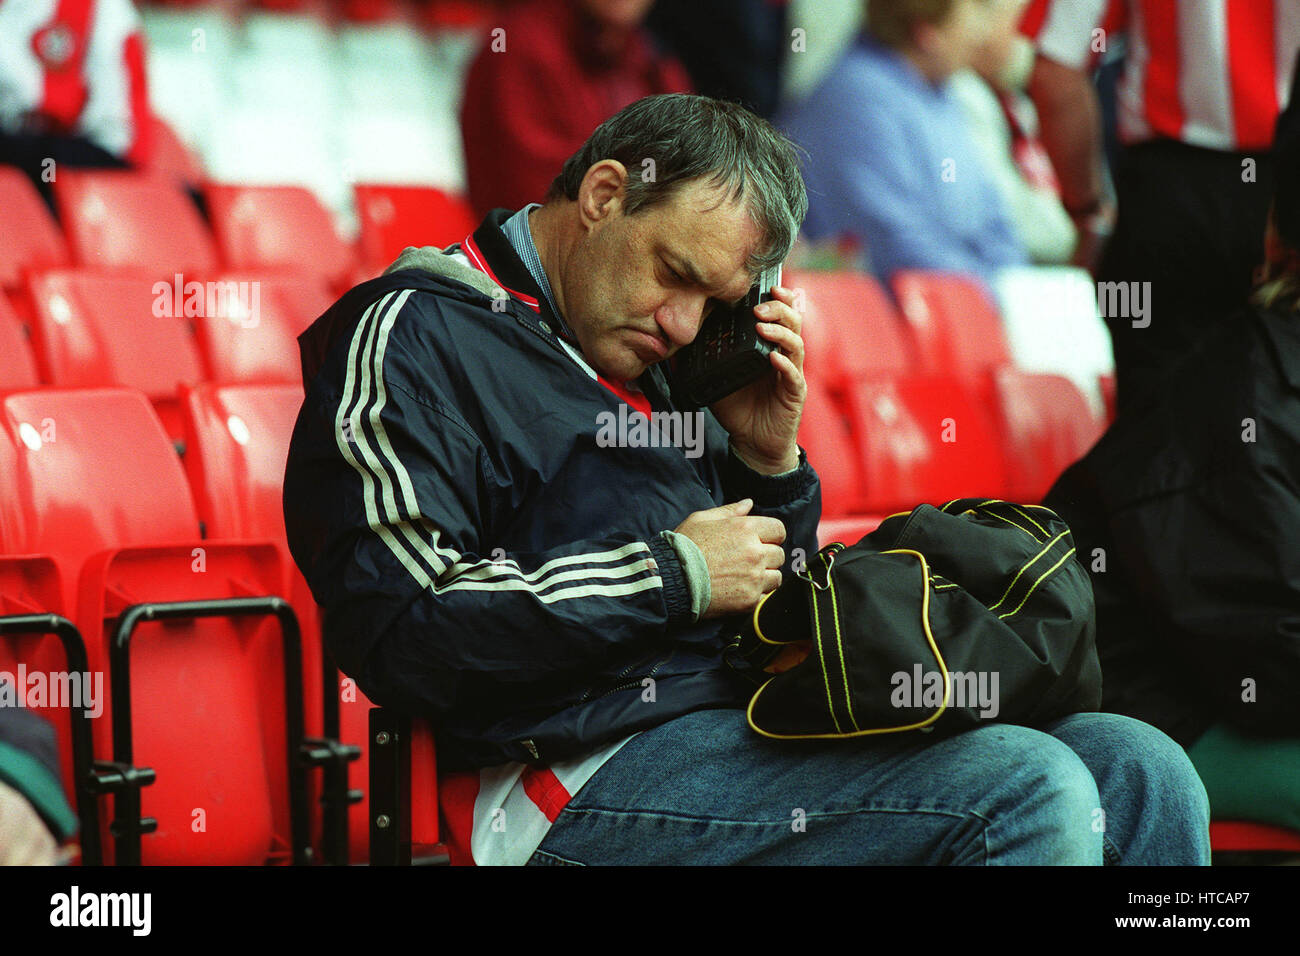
[
  {"x": 499, "y": 816},
  {"x": 75, "y": 67},
  {"x": 1209, "y": 73}
]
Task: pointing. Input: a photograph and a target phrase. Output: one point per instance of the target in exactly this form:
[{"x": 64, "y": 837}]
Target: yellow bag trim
[
  {"x": 1033, "y": 586},
  {"x": 1030, "y": 518},
  {"x": 934, "y": 649},
  {"x": 821, "y": 659},
  {"x": 1030, "y": 563},
  {"x": 1014, "y": 524},
  {"x": 758, "y": 629},
  {"x": 839, "y": 645}
]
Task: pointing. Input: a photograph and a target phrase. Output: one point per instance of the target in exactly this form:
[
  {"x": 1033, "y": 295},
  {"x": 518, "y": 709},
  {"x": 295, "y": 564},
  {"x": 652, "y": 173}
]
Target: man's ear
[{"x": 601, "y": 192}]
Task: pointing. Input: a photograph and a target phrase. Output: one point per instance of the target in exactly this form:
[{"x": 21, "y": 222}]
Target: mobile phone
[{"x": 727, "y": 353}]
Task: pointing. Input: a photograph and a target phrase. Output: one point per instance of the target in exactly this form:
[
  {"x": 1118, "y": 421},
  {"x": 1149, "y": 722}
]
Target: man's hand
[
  {"x": 763, "y": 417},
  {"x": 742, "y": 551}
]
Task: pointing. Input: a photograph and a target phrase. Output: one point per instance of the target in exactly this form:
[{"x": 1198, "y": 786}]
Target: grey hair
[{"x": 683, "y": 137}]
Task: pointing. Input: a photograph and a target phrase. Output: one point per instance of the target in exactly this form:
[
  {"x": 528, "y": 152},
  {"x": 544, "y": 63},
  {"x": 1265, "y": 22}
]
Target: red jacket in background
[{"x": 538, "y": 89}]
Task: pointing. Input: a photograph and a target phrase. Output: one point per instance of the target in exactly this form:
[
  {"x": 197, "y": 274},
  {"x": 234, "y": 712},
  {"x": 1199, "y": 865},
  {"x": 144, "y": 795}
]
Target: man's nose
[{"x": 680, "y": 318}]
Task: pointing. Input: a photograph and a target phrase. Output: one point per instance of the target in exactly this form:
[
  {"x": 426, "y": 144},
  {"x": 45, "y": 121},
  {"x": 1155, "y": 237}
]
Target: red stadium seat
[
  {"x": 18, "y": 367},
  {"x": 1046, "y": 427},
  {"x": 95, "y": 328},
  {"x": 172, "y": 158},
  {"x": 237, "y": 442},
  {"x": 120, "y": 219},
  {"x": 252, "y": 333},
  {"x": 1244, "y": 836},
  {"x": 237, "y": 439},
  {"x": 923, "y": 441},
  {"x": 848, "y": 530},
  {"x": 394, "y": 217},
  {"x": 31, "y": 236},
  {"x": 278, "y": 227},
  {"x": 955, "y": 324},
  {"x": 825, "y": 435},
  {"x": 100, "y": 491},
  {"x": 851, "y": 329}
]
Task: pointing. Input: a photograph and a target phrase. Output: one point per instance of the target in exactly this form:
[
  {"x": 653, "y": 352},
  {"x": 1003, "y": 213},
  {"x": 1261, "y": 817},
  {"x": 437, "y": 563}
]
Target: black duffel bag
[{"x": 941, "y": 618}]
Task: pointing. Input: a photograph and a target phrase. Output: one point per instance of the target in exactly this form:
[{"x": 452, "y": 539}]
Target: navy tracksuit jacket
[{"x": 480, "y": 558}]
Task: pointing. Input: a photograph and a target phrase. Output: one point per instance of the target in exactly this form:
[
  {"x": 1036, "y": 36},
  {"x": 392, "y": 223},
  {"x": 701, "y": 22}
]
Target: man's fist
[{"x": 743, "y": 553}]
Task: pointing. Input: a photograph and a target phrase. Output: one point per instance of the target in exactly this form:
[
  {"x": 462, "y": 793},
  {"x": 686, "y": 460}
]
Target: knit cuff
[
  {"x": 696, "y": 569},
  {"x": 768, "y": 491}
]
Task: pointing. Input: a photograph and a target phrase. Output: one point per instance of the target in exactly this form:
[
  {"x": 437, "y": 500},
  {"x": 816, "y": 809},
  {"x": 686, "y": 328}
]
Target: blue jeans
[{"x": 705, "y": 789}]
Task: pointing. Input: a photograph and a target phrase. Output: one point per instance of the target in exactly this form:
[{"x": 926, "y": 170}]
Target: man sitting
[{"x": 557, "y": 603}]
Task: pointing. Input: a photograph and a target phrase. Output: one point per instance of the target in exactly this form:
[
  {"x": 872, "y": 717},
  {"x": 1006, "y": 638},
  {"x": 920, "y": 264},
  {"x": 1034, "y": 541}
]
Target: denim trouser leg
[
  {"x": 705, "y": 789},
  {"x": 1156, "y": 808}
]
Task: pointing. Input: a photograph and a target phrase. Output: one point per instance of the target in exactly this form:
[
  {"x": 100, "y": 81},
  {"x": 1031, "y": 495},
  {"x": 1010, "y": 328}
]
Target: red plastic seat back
[
  {"x": 17, "y": 363},
  {"x": 237, "y": 442},
  {"x": 252, "y": 333},
  {"x": 31, "y": 236},
  {"x": 97, "y": 328},
  {"x": 851, "y": 329},
  {"x": 119, "y": 219},
  {"x": 825, "y": 435},
  {"x": 923, "y": 441},
  {"x": 1046, "y": 426},
  {"x": 394, "y": 217},
  {"x": 277, "y": 227},
  {"x": 848, "y": 530},
  {"x": 93, "y": 470},
  {"x": 170, "y": 157},
  {"x": 954, "y": 323}
]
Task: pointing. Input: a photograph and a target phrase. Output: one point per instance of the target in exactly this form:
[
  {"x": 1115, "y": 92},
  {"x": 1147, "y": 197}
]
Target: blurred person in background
[
  {"x": 891, "y": 162},
  {"x": 734, "y": 50},
  {"x": 1004, "y": 125},
  {"x": 1202, "y": 85},
  {"x": 72, "y": 86},
  {"x": 1187, "y": 513},
  {"x": 549, "y": 73}
]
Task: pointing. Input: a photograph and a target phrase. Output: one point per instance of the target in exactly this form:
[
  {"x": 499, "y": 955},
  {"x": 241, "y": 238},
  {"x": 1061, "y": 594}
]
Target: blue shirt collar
[{"x": 520, "y": 237}]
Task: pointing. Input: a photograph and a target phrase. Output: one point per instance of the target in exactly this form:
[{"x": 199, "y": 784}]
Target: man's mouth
[{"x": 649, "y": 348}]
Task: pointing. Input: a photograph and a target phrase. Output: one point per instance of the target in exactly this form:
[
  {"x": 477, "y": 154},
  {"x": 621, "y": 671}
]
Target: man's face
[{"x": 637, "y": 287}]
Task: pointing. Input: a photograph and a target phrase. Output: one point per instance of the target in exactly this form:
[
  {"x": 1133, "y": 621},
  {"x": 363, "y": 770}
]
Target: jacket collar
[{"x": 489, "y": 249}]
